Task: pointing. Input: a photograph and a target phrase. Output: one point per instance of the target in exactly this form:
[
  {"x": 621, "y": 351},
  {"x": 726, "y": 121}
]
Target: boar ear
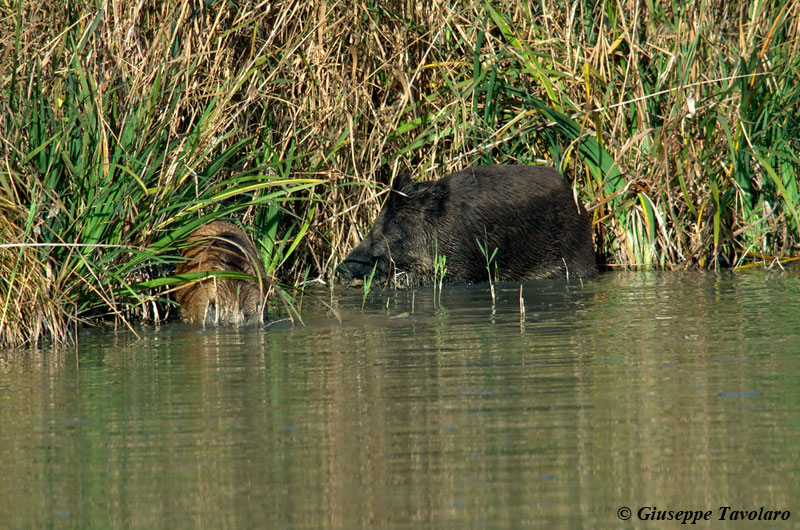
[
  {"x": 403, "y": 186},
  {"x": 403, "y": 183}
]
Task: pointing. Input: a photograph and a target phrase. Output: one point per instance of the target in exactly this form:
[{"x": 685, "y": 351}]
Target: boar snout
[{"x": 357, "y": 269}]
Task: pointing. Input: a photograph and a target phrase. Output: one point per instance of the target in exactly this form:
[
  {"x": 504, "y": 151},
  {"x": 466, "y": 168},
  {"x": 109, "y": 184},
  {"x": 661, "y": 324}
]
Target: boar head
[{"x": 401, "y": 239}]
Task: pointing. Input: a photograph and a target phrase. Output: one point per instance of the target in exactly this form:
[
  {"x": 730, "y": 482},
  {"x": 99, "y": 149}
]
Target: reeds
[
  {"x": 489, "y": 255},
  {"x": 117, "y": 147},
  {"x": 125, "y": 125},
  {"x": 439, "y": 272},
  {"x": 367, "y": 285}
]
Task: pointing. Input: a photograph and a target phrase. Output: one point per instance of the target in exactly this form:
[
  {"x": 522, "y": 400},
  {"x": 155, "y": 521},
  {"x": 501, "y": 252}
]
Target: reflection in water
[{"x": 672, "y": 390}]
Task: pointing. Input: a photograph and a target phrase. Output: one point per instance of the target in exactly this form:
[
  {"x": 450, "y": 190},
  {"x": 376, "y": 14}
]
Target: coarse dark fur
[
  {"x": 221, "y": 246},
  {"x": 528, "y": 214}
]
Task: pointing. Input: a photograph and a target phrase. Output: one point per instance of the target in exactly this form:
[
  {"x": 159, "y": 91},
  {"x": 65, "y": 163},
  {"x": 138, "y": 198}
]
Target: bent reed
[{"x": 126, "y": 126}]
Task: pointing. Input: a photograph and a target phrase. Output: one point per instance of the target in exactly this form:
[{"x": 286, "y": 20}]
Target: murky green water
[{"x": 673, "y": 391}]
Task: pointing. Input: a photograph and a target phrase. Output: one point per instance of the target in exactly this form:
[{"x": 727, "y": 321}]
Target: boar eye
[{"x": 397, "y": 226}]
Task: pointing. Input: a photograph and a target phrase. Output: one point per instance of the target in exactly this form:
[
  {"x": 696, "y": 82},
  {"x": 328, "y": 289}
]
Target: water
[{"x": 641, "y": 390}]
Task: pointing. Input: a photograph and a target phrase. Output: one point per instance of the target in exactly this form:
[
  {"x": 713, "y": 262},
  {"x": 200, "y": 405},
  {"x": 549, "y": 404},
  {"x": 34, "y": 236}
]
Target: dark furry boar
[
  {"x": 527, "y": 213},
  {"x": 221, "y": 246}
]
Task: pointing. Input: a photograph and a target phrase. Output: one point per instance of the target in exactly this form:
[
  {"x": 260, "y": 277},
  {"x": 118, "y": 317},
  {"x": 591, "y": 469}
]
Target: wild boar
[
  {"x": 527, "y": 213},
  {"x": 221, "y": 246}
]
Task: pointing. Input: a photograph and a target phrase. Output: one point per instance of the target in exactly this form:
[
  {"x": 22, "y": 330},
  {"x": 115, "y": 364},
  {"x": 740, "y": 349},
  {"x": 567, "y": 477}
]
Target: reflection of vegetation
[
  {"x": 123, "y": 129},
  {"x": 462, "y": 414}
]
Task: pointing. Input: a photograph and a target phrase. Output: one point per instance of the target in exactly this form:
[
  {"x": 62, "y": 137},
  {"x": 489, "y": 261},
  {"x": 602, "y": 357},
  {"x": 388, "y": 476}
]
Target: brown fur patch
[{"x": 221, "y": 246}]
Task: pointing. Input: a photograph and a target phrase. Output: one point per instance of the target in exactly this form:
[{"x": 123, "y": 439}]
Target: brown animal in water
[
  {"x": 527, "y": 213},
  {"x": 221, "y": 246}
]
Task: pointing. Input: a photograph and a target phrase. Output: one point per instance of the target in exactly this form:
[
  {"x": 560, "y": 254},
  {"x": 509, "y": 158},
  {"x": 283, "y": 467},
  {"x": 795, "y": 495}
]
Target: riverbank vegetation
[{"x": 125, "y": 125}]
